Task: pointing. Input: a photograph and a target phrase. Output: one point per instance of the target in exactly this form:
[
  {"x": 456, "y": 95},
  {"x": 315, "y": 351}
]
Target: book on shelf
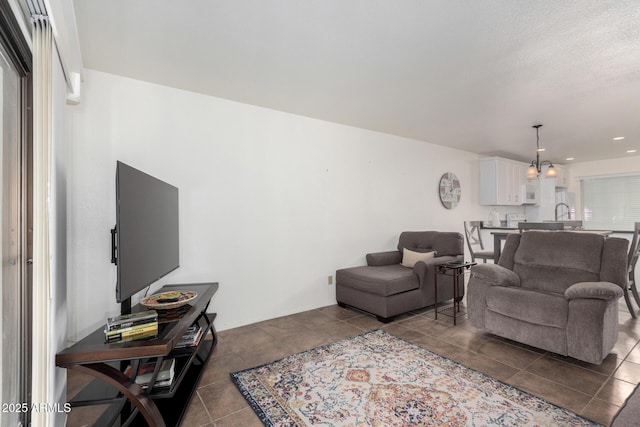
[
  {"x": 158, "y": 384},
  {"x": 191, "y": 337},
  {"x": 133, "y": 319},
  {"x": 131, "y": 333},
  {"x": 145, "y": 372}
]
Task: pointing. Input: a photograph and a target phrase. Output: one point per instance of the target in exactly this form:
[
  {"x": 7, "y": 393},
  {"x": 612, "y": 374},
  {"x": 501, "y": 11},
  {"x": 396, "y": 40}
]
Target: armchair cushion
[
  {"x": 443, "y": 242},
  {"x": 409, "y": 257},
  {"x": 553, "y": 263},
  {"x": 594, "y": 290},
  {"x": 495, "y": 274},
  {"x": 385, "y": 281},
  {"x": 531, "y": 306},
  {"x": 577, "y": 251}
]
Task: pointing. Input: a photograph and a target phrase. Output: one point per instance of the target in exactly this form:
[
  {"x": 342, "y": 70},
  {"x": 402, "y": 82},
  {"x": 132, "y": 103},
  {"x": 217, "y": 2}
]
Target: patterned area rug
[{"x": 376, "y": 379}]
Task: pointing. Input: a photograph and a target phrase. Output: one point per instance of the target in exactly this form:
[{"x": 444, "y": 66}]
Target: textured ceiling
[{"x": 474, "y": 75}]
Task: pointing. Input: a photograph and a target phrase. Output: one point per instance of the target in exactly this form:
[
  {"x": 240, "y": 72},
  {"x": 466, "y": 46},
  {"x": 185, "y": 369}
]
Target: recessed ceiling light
[
  {"x": 631, "y": 151},
  {"x": 618, "y": 138},
  {"x": 570, "y": 158},
  {"x": 541, "y": 150}
]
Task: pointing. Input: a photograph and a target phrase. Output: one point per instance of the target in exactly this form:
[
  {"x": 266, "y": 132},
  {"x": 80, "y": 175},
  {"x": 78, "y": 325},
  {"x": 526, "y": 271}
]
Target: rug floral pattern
[{"x": 376, "y": 379}]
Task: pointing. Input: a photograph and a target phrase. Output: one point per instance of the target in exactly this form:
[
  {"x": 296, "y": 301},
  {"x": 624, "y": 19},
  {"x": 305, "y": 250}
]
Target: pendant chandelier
[{"x": 536, "y": 165}]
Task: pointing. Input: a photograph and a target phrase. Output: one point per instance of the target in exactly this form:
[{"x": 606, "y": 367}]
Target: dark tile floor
[{"x": 596, "y": 392}]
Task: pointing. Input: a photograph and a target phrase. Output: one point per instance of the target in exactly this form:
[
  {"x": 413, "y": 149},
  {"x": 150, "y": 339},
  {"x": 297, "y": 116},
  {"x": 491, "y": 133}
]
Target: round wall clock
[{"x": 449, "y": 190}]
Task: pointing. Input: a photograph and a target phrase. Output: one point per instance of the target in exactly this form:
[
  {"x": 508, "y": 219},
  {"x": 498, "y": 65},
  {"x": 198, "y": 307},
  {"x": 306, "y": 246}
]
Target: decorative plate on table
[{"x": 168, "y": 300}]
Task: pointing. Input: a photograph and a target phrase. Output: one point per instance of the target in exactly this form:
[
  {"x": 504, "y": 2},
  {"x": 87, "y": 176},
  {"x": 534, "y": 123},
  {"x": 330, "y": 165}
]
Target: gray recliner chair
[
  {"x": 557, "y": 291},
  {"x": 386, "y": 288}
]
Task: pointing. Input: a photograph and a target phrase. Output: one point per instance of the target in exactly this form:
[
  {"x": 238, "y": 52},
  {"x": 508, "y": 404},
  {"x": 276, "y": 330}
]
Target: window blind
[
  {"x": 611, "y": 203},
  {"x": 42, "y": 374}
]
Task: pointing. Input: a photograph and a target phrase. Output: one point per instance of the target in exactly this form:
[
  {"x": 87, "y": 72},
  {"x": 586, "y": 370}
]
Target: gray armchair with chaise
[
  {"x": 554, "y": 290},
  {"x": 399, "y": 281}
]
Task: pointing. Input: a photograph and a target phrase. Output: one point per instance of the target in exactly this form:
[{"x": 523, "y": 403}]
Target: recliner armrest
[
  {"x": 594, "y": 290},
  {"x": 495, "y": 274},
  {"x": 378, "y": 259}
]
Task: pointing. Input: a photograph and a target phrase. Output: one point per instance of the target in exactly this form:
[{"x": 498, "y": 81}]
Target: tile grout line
[
  {"x": 205, "y": 408},
  {"x": 366, "y": 326},
  {"x": 524, "y": 369}
]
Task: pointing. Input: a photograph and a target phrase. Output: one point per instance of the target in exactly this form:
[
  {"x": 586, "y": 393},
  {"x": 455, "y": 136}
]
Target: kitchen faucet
[{"x": 568, "y": 210}]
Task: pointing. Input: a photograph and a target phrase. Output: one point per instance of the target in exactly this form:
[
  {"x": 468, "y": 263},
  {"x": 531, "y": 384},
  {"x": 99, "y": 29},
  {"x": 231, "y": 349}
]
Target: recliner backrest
[
  {"x": 552, "y": 261},
  {"x": 443, "y": 242}
]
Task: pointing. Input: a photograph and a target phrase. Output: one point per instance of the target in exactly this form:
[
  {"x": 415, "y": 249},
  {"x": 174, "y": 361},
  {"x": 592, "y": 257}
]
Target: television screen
[{"x": 146, "y": 234}]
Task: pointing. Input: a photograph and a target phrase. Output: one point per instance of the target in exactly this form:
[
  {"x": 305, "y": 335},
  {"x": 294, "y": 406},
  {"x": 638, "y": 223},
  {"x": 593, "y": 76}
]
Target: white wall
[
  {"x": 271, "y": 203},
  {"x": 58, "y": 240}
]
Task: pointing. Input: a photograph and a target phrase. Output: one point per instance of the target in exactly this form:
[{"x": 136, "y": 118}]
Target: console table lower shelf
[{"x": 128, "y": 404}]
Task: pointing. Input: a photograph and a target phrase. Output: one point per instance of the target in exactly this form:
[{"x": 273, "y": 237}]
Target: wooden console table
[{"x": 129, "y": 403}]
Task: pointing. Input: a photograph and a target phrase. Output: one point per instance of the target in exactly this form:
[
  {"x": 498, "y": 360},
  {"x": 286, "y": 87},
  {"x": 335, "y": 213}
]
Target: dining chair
[
  {"x": 474, "y": 239},
  {"x": 634, "y": 252}
]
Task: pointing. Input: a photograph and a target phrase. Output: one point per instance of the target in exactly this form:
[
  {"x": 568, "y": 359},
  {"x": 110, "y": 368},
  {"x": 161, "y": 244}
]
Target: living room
[{"x": 272, "y": 203}]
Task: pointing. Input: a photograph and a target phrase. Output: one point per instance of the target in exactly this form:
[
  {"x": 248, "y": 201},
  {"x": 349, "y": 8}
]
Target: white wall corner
[
  {"x": 63, "y": 22},
  {"x": 73, "y": 88}
]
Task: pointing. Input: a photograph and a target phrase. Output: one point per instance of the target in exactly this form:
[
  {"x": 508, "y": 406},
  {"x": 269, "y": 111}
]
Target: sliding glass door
[
  {"x": 15, "y": 278},
  {"x": 11, "y": 279}
]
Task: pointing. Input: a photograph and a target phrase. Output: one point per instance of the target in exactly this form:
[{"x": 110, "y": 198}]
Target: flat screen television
[{"x": 145, "y": 240}]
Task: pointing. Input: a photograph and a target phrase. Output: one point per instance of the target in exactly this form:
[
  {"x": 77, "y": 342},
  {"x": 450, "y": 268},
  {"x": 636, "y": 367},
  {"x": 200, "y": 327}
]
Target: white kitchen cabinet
[{"x": 502, "y": 181}]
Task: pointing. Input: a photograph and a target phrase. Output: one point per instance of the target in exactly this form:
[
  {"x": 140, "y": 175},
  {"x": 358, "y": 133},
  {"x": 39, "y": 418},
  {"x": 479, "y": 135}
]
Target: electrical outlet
[{"x": 330, "y": 280}]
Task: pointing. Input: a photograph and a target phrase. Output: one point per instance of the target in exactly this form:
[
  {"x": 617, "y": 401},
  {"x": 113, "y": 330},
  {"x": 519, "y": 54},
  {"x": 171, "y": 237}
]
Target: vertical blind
[
  {"x": 611, "y": 203},
  {"x": 42, "y": 366}
]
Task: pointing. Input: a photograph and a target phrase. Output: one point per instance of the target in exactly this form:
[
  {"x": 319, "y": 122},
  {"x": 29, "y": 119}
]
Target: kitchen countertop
[{"x": 491, "y": 228}]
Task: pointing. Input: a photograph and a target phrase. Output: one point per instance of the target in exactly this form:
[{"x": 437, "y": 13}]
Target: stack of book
[
  {"x": 191, "y": 338},
  {"x": 145, "y": 372},
  {"x": 131, "y": 327}
]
